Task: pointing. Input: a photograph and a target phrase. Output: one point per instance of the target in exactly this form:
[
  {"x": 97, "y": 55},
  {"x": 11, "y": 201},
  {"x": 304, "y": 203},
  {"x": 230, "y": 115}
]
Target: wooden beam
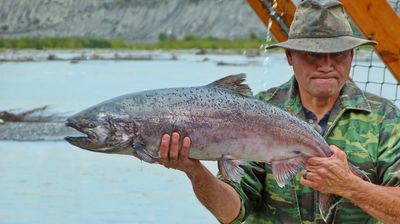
[
  {"x": 284, "y": 9},
  {"x": 377, "y": 20}
]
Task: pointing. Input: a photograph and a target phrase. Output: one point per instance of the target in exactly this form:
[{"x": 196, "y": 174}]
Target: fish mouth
[{"x": 88, "y": 140}]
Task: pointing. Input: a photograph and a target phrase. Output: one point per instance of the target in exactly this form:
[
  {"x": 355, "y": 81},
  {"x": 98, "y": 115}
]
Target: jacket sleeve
[
  {"x": 388, "y": 158},
  {"x": 249, "y": 189}
]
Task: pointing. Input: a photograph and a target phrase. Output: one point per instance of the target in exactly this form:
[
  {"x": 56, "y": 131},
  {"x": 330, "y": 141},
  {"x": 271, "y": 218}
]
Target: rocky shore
[
  {"x": 36, "y": 124},
  {"x": 34, "y": 131}
]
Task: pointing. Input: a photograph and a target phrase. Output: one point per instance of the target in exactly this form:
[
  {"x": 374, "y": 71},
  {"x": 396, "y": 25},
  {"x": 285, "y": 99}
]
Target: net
[{"x": 371, "y": 74}]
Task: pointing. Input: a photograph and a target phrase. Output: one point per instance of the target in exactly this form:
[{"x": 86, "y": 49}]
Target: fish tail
[{"x": 327, "y": 203}]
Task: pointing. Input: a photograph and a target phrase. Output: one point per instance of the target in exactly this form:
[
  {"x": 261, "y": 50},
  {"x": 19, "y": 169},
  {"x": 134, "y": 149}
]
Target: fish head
[{"x": 103, "y": 131}]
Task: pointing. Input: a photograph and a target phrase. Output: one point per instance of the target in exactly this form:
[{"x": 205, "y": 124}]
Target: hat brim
[{"x": 323, "y": 45}]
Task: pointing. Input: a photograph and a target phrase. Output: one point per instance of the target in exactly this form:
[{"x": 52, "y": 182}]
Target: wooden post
[
  {"x": 284, "y": 9},
  {"x": 377, "y": 20}
]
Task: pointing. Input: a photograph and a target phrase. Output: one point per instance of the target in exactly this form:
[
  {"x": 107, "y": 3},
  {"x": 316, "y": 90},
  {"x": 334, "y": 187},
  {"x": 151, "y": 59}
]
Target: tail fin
[{"x": 327, "y": 203}]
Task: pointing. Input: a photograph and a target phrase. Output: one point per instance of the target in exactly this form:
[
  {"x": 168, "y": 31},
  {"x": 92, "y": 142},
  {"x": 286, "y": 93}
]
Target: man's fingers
[
  {"x": 316, "y": 161},
  {"x": 164, "y": 146},
  {"x": 174, "y": 150},
  {"x": 185, "y": 147},
  {"x": 338, "y": 152}
]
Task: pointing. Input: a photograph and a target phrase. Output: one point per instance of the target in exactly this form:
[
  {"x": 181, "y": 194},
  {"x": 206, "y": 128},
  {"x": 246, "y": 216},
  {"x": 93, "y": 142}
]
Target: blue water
[{"x": 54, "y": 182}]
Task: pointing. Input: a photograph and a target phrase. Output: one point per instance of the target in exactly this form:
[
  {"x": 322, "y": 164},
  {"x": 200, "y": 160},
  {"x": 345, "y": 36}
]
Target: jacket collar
[{"x": 350, "y": 98}]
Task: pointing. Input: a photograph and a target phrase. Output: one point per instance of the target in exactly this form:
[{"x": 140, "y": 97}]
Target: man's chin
[
  {"x": 326, "y": 94},
  {"x": 326, "y": 89}
]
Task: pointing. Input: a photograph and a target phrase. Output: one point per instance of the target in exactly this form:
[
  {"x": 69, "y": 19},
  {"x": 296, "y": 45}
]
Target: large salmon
[{"x": 223, "y": 120}]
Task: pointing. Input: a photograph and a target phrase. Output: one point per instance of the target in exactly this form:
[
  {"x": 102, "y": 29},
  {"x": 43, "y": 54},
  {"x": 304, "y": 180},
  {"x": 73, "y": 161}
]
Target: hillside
[{"x": 131, "y": 20}]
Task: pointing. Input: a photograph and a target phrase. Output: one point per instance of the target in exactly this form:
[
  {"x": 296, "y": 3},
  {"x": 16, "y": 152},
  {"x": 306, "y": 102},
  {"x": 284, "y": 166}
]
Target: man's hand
[
  {"x": 218, "y": 197},
  {"x": 175, "y": 155},
  {"x": 329, "y": 174}
]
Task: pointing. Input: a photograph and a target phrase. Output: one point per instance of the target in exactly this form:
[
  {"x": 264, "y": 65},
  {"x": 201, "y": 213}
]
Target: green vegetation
[
  {"x": 165, "y": 42},
  {"x": 61, "y": 43},
  {"x": 190, "y": 42}
]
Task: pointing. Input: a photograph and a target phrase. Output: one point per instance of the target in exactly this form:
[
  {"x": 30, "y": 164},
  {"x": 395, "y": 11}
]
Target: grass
[
  {"x": 61, "y": 43},
  {"x": 203, "y": 43},
  {"x": 164, "y": 43}
]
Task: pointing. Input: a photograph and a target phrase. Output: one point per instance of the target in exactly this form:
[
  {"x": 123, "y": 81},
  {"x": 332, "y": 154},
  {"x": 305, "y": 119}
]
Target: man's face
[{"x": 320, "y": 75}]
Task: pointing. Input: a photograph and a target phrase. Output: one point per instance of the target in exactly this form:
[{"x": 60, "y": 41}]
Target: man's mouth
[{"x": 325, "y": 77}]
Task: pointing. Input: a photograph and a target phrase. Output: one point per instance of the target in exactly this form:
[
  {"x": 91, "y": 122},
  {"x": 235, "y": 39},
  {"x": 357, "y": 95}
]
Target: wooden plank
[
  {"x": 284, "y": 9},
  {"x": 378, "y": 21}
]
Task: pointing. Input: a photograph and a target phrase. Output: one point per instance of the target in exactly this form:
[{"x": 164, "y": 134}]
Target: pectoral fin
[
  {"x": 230, "y": 168},
  {"x": 139, "y": 148},
  {"x": 285, "y": 170}
]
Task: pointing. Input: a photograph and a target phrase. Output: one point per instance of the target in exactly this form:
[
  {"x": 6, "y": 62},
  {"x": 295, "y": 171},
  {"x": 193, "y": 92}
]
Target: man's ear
[{"x": 288, "y": 53}]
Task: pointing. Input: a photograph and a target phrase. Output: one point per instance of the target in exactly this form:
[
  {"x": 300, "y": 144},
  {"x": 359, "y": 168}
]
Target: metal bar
[
  {"x": 281, "y": 17},
  {"x": 275, "y": 16}
]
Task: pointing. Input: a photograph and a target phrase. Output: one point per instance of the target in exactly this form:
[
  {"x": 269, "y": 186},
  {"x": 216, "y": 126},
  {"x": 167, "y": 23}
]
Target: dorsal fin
[{"x": 233, "y": 83}]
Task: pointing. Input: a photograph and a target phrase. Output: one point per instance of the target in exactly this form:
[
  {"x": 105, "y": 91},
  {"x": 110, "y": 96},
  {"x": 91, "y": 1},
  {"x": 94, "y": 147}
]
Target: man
[{"x": 361, "y": 128}]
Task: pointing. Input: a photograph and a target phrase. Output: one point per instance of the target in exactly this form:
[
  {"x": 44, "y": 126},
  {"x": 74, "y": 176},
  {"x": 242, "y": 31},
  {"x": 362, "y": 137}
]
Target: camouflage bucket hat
[{"x": 322, "y": 27}]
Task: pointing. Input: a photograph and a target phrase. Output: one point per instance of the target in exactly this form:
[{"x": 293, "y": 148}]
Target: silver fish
[{"x": 223, "y": 120}]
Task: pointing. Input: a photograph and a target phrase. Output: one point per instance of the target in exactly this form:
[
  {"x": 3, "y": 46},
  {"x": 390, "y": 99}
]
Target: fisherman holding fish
[{"x": 360, "y": 127}]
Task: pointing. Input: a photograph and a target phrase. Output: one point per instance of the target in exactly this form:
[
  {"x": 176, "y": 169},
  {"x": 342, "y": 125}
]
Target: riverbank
[
  {"x": 79, "y": 55},
  {"x": 164, "y": 43},
  {"x": 34, "y": 131}
]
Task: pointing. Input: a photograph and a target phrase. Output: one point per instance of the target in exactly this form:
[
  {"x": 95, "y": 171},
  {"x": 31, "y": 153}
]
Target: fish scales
[{"x": 214, "y": 119}]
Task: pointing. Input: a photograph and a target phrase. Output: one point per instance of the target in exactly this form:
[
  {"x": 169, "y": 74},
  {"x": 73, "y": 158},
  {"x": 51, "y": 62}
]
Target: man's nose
[{"x": 325, "y": 63}]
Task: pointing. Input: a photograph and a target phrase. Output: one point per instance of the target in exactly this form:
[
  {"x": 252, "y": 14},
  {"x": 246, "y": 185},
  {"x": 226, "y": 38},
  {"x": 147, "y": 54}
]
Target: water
[
  {"x": 68, "y": 87},
  {"x": 54, "y": 182}
]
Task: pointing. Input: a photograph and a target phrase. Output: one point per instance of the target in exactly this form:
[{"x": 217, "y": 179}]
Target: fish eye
[{"x": 91, "y": 125}]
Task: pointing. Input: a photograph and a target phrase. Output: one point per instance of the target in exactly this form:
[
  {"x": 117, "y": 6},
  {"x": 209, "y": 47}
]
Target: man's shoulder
[
  {"x": 381, "y": 104},
  {"x": 276, "y": 95}
]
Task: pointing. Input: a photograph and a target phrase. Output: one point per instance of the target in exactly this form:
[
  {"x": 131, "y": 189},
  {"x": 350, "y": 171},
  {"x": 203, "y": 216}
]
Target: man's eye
[
  {"x": 312, "y": 54},
  {"x": 339, "y": 54}
]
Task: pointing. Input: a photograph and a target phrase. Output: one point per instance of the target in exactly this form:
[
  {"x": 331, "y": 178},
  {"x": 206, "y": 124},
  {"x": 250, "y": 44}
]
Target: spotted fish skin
[{"x": 220, "y": 120}]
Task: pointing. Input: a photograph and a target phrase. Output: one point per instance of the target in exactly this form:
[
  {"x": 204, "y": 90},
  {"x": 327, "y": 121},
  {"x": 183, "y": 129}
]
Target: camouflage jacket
[{"x": 365, "y": 126}]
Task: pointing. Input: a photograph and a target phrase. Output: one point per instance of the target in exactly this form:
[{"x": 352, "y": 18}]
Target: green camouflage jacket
[{"x": 365, "y": 126}]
